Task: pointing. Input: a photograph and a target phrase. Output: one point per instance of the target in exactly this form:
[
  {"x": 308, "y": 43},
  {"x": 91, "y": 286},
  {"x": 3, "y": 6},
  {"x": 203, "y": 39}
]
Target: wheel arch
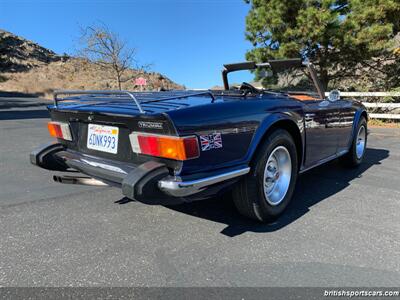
[
  {"x": 364, "y": 114},
  {"x": 358, "y": 115},
  {"x": 279, "y": 122}
]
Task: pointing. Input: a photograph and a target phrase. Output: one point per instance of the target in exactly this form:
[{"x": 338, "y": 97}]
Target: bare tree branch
[{"x": 106, "y": 49}]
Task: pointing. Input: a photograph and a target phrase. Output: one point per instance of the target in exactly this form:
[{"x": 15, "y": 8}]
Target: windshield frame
[{"x": 275, "y": 65}]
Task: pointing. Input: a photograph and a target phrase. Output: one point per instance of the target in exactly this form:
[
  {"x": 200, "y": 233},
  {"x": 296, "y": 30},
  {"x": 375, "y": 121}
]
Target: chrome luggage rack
[{"x": 137, "y": 97}]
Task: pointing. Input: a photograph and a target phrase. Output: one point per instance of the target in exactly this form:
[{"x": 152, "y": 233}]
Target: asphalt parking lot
[{"x": 342, "y": 229}]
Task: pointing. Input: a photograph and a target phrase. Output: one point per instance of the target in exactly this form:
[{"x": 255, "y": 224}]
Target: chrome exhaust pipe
[{"x": 78, "y": 180}]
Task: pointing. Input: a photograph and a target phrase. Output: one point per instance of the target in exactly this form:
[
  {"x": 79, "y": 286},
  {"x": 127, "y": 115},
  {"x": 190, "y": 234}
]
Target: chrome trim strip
[{"x": 173, "y": 186}]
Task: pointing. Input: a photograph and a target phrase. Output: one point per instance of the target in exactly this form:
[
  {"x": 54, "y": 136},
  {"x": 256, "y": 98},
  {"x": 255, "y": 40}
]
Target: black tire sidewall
[{"x": 278, "y": 138}]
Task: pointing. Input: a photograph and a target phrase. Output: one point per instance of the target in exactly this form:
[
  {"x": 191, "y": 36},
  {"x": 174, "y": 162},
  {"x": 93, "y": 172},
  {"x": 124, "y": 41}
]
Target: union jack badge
[{"x": 210, "y": 141}]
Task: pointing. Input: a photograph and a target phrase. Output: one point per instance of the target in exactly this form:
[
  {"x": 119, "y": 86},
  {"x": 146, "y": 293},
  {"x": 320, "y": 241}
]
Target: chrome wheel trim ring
[
  {"x": 277, "y": 175},
  {"x": 360, "y": 142}
]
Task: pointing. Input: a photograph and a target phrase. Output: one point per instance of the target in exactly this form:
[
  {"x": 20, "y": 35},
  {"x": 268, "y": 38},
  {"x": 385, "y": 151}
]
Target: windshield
[{"x": 294, "y": 80}]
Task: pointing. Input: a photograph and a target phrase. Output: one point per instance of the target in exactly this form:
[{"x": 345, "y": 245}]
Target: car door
[{"x": 322, "y": 127}]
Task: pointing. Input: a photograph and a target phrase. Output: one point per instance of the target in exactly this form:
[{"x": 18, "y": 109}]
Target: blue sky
[{"x": 186, "y": 40}]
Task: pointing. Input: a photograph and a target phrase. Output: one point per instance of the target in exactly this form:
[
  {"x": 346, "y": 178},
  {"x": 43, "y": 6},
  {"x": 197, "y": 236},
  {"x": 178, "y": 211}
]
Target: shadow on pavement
[
  {"x": 19, "y": 100},
  {"x": 19, "y": 94},
  {"x": 24, "y": 114},
  {"x": 312, "y": 187}
]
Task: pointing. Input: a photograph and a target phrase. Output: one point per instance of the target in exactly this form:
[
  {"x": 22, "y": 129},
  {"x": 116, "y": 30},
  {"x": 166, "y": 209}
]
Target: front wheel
[
  {"x": 358, "y": 146},
  {"x": 267, "y": 190}
]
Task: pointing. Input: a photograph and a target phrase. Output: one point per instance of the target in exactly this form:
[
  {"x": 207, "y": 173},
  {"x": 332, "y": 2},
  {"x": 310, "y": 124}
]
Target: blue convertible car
[{"x": 170, "y": 147}]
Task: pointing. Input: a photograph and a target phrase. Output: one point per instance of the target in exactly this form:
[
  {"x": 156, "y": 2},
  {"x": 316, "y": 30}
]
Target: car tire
[
  {"x": 265, "y": 192},
  {"x": 358, "y": 145}
]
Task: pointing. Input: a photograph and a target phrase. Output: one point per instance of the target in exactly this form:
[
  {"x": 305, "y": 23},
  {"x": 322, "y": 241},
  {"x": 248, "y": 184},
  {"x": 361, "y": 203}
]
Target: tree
[
  {"x": 339, "y": 36},
  {"x": 106, "y": 49}
]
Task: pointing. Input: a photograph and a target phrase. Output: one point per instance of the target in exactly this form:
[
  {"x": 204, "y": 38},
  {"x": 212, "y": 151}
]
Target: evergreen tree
[{"x": 338, "y": 36}]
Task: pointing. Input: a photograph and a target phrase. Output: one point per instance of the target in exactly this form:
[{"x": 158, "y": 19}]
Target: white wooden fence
[{"x": 387, "y": 106}]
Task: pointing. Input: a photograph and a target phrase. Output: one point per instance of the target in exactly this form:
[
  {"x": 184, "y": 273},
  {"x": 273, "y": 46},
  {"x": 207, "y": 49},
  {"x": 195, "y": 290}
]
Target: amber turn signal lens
[
  {"x": 54, "y": 129},
  {"x": 172, "y": 148}
]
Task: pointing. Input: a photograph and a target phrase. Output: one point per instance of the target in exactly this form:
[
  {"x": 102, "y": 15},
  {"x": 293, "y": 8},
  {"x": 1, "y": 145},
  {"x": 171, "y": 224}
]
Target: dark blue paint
[
  {"x": 325, "y": 130},
  {"x": 269, "y": 121}
]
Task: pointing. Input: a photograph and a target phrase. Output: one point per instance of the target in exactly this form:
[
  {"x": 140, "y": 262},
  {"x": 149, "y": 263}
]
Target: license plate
[{"x": 103, "y": 138}]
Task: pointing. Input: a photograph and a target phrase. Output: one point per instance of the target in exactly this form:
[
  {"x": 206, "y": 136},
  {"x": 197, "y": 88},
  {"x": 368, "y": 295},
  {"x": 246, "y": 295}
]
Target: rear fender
[{"x": 276, "y": 120}]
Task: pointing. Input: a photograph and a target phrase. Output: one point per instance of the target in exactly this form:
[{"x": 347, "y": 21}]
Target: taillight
[
  {"x": 59, "y": 130},
  {"x": 178, "y": 148}
]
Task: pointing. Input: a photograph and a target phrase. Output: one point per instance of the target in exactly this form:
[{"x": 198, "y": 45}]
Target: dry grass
[
  {"x": 75, "y": 73},
  {"x": 380, "y": 123}
]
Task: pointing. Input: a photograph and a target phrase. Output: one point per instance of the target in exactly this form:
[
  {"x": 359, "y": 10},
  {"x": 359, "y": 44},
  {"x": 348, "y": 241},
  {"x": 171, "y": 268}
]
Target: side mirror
[{"x": 334, "y": 95}]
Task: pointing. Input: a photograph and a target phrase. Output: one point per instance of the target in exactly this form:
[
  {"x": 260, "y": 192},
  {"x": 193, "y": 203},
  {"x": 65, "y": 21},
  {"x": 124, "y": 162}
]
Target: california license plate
[{"x": 103, "y": 138}]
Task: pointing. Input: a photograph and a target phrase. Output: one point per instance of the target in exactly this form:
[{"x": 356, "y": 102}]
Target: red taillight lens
[
  {"x": 59, "y": 130},
  {"x": 178, "y": 148},
  {"x": 191, "y": 147},
  {"x": 148, "y": 145}
]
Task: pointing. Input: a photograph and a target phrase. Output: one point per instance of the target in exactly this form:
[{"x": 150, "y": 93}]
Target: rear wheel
[
  {"x": 267, "y": 190},
  {"x": 357, "y": 150}
]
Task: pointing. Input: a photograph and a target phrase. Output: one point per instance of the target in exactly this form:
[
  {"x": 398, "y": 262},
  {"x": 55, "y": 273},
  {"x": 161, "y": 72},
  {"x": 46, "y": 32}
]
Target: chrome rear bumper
[
  {"x": 174, "y": 186},
  {"x": 147, "y": 180}
]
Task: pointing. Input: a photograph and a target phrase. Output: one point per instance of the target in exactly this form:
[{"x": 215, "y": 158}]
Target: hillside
[
  {"x": 30, "y": 68},
  {"x": 18, "y": 54}
]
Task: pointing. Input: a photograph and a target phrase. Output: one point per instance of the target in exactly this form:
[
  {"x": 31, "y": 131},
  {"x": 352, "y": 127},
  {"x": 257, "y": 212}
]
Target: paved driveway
[{"x": 342, "y": 229}]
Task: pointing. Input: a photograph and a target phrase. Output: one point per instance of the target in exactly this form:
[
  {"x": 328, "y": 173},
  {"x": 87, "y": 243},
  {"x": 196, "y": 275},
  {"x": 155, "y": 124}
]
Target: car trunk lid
[{"x": 122, "y": 113}]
